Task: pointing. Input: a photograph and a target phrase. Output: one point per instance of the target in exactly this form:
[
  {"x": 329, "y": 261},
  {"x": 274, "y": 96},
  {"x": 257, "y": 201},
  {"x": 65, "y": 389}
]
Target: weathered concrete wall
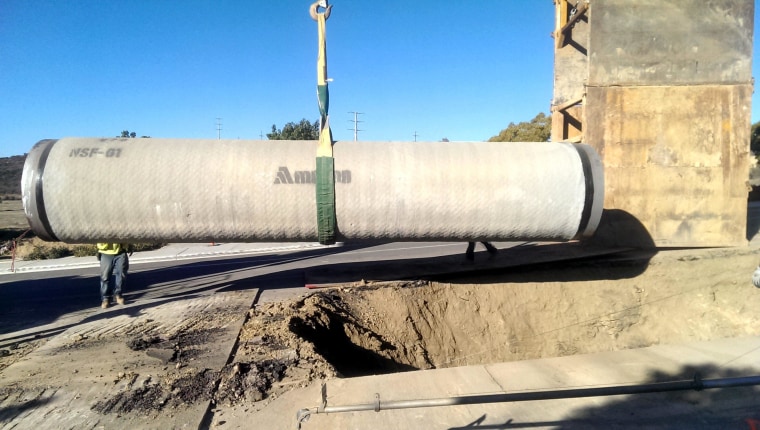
[
  {"x": 668, "y": 108},
  {"x": 675, "y": 159},
  {"x": 570, "y": 85},
  {"x": 670, "y": 42},
  {"x": 572, "y": 60}
]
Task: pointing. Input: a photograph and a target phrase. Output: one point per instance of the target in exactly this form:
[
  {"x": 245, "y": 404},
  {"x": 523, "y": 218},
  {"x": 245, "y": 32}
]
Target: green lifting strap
[
  {"x": 325, "y": 181},
  {"x": 326, "y": 200}
]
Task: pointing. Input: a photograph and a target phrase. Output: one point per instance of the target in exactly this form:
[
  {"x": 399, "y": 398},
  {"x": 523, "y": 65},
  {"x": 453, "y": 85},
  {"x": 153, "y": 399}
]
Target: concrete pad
[
  {"x": 731, "y": 407},
  {"x": 95, "y": 364}
]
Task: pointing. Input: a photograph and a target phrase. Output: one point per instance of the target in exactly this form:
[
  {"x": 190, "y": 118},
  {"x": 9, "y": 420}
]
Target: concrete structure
[
  {"x": 181, "y": 190},
  {"x": 662, "y": 90}
]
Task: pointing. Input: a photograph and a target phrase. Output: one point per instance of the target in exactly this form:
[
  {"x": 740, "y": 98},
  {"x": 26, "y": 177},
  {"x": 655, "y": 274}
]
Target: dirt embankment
[
  {"x": 541, "y": 311},
  {"x": 545, "y": 310}
]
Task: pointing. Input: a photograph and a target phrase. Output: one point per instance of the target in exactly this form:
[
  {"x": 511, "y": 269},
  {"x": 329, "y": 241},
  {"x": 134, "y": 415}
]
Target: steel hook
[{"x": 323, "y": 4}]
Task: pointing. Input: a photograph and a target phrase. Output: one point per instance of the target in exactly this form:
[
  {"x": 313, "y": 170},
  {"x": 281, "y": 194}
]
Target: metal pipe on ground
[
  {"x": 181, "y": 190},
  {"x": 696, "y": 384}
]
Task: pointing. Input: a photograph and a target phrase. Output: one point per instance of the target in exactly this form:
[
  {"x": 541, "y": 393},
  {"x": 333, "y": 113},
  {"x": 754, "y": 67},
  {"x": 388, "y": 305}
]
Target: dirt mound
[
  {"x": 249, "y": 382},
  {"x": 543, "y": 310},
  {"x": 534, "y": 312},
  {"x": 152, "y": 396},
  {"x": 271, "y": 357}
]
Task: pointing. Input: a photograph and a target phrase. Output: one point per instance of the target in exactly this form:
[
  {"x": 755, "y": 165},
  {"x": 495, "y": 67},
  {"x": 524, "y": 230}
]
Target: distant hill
[{"x": 10, "y": 174}]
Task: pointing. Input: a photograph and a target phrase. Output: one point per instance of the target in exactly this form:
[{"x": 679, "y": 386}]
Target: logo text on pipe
[{"x": 283, "y": 176}]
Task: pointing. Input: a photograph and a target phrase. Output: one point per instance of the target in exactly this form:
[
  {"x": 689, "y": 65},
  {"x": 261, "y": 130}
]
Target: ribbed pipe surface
[{"x": 179, "y": 190}]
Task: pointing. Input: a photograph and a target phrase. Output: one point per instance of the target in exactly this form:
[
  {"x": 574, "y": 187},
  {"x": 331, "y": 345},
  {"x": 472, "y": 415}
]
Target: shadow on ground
[
  {"x": 621, "y": 248},
  {"x": 39, "y": 301},
  {"x": 44, "y": 299}
]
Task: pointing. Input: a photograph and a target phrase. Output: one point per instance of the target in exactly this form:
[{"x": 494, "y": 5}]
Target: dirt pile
[
  {"x": 271, "y": 357},
  {"x": 151, "y": 396},
  {"x": 518, "y": 313},
  {"x": 539, "y": 311}
]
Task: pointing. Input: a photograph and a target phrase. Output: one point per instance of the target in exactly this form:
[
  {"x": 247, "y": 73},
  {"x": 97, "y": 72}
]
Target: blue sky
[{"x": 460, "y": 70}]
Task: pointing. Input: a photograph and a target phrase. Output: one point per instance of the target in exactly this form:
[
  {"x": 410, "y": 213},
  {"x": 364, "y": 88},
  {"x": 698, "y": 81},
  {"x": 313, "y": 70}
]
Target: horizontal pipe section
[
  {"x": 182, "y": 190},
  {"x": 696, "y": 384}
]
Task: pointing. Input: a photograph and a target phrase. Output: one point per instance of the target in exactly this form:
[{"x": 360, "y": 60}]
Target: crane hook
[{"x": 318, "y": 4}]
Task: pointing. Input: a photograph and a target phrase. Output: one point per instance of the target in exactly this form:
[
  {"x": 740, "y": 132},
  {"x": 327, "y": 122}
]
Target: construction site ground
[{"x": 535, "y": 317}]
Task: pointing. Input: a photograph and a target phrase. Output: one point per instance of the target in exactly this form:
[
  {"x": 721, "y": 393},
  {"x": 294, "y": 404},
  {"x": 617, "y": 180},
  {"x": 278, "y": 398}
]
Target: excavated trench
[
  {"x": 421, "y": 325},
  {"x": 545, "y": 311},
  {"x": 541, "y": 311}
]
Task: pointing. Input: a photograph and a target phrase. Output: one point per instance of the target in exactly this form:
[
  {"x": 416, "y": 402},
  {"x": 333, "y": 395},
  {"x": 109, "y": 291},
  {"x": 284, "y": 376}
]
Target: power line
[{"x": 356, "y": 124}]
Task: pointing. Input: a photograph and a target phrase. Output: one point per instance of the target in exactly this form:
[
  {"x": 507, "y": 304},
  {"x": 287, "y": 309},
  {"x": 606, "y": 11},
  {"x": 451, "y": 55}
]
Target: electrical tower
[
  {"x": 218, "y": 129},
  {"x": 356, "y": 124}
]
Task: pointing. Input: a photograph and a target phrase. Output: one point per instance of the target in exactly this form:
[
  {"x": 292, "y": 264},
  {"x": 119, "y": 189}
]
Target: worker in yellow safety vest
[{"x": 113, "y": 261}]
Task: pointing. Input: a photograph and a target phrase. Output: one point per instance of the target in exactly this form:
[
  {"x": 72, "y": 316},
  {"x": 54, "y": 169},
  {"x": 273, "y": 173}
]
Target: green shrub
[
  {"x": 85, "y": 250},
  {"x": 45, "y": 253},
  {"x": 135, "y": 247},
  {"x": 92, "y": 250}
]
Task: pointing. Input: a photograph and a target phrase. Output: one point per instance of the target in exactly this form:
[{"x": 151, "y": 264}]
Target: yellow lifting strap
[
  {"x": 325, "y": 164},
  {"x": 323, "y": 94}
]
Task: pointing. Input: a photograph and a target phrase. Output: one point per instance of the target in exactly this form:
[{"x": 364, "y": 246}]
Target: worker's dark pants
[
  {"x": 470, "y": 253},
  {"x": 118, "y": 265}
]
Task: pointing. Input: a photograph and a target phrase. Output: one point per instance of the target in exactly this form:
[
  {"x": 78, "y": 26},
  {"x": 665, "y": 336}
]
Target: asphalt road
[
  {"x": 46, "y": 302},
  {"x": 41, "y": 304}
]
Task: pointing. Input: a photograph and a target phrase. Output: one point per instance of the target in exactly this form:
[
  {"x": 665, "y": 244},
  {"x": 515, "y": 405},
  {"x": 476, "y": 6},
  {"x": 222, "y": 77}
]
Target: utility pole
[
  {"x": 261, "y": 135},
  {"x": 218, "y": 129},
  {"x": 415, "y": 135},
  {"x": 356, "y": 124}
]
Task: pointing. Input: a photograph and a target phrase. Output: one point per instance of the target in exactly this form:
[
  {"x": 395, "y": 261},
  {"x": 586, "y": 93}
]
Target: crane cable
[{"x": 325, "y": 172}]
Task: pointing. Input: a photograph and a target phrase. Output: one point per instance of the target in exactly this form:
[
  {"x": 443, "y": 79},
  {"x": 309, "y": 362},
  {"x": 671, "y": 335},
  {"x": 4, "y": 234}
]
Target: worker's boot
[
  {"x": 120, "y": 300},
  {"x": 104, "y": 304}
]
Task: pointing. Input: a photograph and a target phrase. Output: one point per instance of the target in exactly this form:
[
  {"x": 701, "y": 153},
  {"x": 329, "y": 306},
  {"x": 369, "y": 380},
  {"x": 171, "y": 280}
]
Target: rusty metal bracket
[
  {"x": 563, "y": 107},
  {"x": 565, "y": 24}
]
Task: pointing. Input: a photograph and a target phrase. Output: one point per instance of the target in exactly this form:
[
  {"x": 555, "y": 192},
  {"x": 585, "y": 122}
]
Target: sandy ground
[
  {"x": 622, "y": 301},
  {"x": 547, "y": 310}
]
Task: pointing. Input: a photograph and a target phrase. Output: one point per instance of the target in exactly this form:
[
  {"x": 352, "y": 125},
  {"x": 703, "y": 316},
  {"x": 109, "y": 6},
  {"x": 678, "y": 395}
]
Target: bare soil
[
  {"x": 540, "y": 311},
  {"x": 13, "y": 222},
  {"x": 547, "y": 310}
]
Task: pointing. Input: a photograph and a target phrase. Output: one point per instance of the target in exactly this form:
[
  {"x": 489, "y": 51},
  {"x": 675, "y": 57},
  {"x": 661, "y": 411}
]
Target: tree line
[{"x": 536, "y": 130}]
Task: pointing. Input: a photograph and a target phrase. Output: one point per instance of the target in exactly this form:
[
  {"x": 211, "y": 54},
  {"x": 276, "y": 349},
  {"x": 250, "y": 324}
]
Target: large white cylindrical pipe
[{"x": 136, "y": 190}]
